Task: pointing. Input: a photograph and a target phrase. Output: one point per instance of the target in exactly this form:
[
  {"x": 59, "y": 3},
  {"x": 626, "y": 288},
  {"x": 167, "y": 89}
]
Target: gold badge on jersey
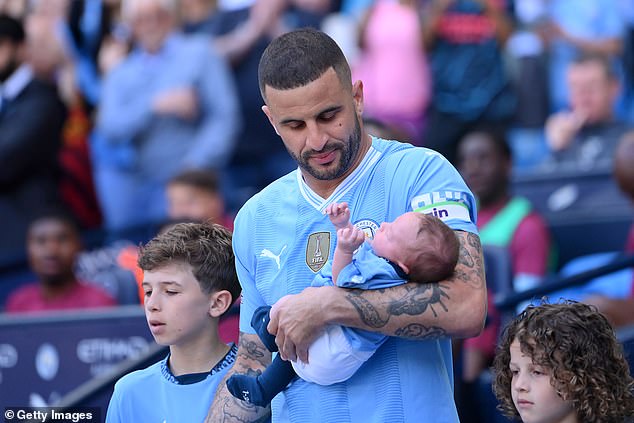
[{"x": 317, "y": 250}]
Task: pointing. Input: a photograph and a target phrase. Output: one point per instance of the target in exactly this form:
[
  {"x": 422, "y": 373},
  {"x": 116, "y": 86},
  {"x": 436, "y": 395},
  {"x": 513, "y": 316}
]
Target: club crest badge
[
  {"x": 369, "y": 227},
  {"x": 317, "y": 250}
]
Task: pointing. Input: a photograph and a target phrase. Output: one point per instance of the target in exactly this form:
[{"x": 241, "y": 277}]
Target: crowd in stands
[{"x": 119, "y": 118}]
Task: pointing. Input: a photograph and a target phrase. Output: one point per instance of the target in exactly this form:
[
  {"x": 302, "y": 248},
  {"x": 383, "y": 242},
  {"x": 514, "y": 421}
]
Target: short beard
[{"x": 349, "y": 152}]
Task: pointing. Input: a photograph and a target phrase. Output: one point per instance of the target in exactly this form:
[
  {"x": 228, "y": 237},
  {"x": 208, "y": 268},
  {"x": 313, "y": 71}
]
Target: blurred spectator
[
  {"x": 168, "y": 106},
  {"x": 620, "y": 312},
  {"x": 14, "y": 8},
  {"x": 195, "y": 195},
  {"x": 54, "y": 57},
  {"x": 382, "y": 130},
  {"x": 31, "y": 120},
  {"x": 585, "y": 136},
  {"x": 192, "y": 196},
  {"x": 53, "y": 243},
  {"x": 391, "y": 33},
  {"x": 579, "y": 27},
  {"x": 484, "y": 161},
  {"x": 527, "y": 61},
  {"x": 465, "y": 40}
]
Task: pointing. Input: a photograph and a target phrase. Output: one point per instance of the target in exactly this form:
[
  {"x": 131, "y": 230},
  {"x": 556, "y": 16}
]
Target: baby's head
[
  {"x": 421, "y": 244},
  {"x": 562, "y": 358}
]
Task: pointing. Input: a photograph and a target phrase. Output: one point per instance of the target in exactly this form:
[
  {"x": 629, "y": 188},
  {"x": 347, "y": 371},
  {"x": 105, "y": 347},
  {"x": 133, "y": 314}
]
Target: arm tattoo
[
  {"x": 418, "y": 297},
  {"x": 414, "y": 299},
  {"x": 417, "y": 331},
  {"x": 252, "y": 358},
  {"x": 368, "y": 313},
  {"x": 468, "y": 263},
  {"x": 253, "y": 351}
]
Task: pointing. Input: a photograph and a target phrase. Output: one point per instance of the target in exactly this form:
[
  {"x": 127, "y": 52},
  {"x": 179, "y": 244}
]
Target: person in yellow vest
[{"x": 485, "y": 162}]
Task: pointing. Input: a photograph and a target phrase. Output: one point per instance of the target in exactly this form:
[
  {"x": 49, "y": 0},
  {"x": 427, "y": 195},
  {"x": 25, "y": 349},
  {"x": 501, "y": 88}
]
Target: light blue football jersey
[
  {"x": 282, "y": 239},
  {"x": 155, "y": 395}
]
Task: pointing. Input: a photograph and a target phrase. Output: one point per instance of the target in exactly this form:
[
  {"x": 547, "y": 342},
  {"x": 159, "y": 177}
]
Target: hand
[
  {"x": 111, "y": 53},
  {"x": 296, "y": 321},
  {"x": 350, "y": 238},
  {"x": 180, "y": 102},
  {"x": 339, "y": 214},
  {"x": 562, "y": 127}
]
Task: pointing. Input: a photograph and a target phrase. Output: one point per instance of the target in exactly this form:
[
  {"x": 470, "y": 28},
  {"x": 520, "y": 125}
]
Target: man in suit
[{"x": 31, "y": 120}]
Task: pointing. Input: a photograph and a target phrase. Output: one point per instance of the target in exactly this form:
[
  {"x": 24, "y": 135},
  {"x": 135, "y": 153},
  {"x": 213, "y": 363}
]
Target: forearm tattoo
[
  {"x": 252, "y": 358},
  {"x": 376, "y": 307}
]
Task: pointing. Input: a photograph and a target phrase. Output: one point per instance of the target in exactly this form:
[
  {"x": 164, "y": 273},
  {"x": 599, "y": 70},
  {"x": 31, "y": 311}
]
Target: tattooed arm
[
  {"x": 252, "y": 359},
  {"x": 455, "y": 307}
]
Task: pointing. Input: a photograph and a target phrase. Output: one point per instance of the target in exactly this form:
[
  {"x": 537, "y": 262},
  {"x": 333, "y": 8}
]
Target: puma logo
[{"x": 269, "y": 254}]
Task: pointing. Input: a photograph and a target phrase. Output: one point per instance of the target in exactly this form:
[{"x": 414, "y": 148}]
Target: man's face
[
  {"x": 592, "y": 92},
  {"x": 150, "y": 25},
  {"x": 52, "y": 247},
  {"x": 8, "y": 58},
  {"x": 483, "y": 167},
  {"x": 320, "y": 125}
]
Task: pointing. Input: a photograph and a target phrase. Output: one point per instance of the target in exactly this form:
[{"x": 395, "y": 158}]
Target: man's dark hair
[
  {"x": 206, "y": 247},
  {"x": 198, "y": 178},
  {"x": 11, "y": 29},
  {"x": 299, "y": 57}
]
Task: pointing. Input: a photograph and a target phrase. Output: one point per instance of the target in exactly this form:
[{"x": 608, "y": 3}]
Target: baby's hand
[
  {"x": 339, "y": 214},
  {"x": 350, "y": 238}
]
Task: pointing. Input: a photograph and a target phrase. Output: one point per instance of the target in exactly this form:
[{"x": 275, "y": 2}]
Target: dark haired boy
[{"x": 189, "y": 282}]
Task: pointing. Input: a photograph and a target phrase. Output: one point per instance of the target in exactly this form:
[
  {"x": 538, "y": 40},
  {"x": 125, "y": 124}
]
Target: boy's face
[
  {"x": 52, "y": 247},
  {"x": 534, "y": 397},
  {"x": 176, "y": 309},
  {"x": 188, "y": 202},
  {"x": 392, "y": 240}
]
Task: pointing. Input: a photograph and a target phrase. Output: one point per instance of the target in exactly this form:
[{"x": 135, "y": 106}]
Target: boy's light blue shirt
[
  {"x": 282, "y": 239},
  {"x": 155, "y": 395}
]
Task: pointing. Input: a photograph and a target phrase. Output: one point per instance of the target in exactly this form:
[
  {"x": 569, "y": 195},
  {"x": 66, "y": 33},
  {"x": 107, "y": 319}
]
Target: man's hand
[
  {"x": 561, "y": 129},
  {"x": 296, "y": 321},
  {"x": 339, "y": 214},
  {"x": 180, "y": 102}
]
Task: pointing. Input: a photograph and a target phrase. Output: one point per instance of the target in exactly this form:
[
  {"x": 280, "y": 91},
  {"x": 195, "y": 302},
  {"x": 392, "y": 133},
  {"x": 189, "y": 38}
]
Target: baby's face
[{"x": 392, "y": 240}]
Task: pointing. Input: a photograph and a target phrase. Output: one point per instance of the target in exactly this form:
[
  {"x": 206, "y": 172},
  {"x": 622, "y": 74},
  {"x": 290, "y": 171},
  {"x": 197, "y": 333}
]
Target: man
[
  {"x": 506, "y": 221},
  {"x": 31, "y": 120},
  {"x": 282, "y": 238},
  {"x": 169, "y": 106},
  {"x": 585, "y": 136},
  {"x": 53, "y": 244}
]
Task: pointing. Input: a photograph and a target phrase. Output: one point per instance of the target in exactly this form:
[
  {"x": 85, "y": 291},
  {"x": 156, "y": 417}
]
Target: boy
[
  {"x": 561, "y": 363},
  {"x": 189, "y": 282},
  {"x": 416, "y": 246}
]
